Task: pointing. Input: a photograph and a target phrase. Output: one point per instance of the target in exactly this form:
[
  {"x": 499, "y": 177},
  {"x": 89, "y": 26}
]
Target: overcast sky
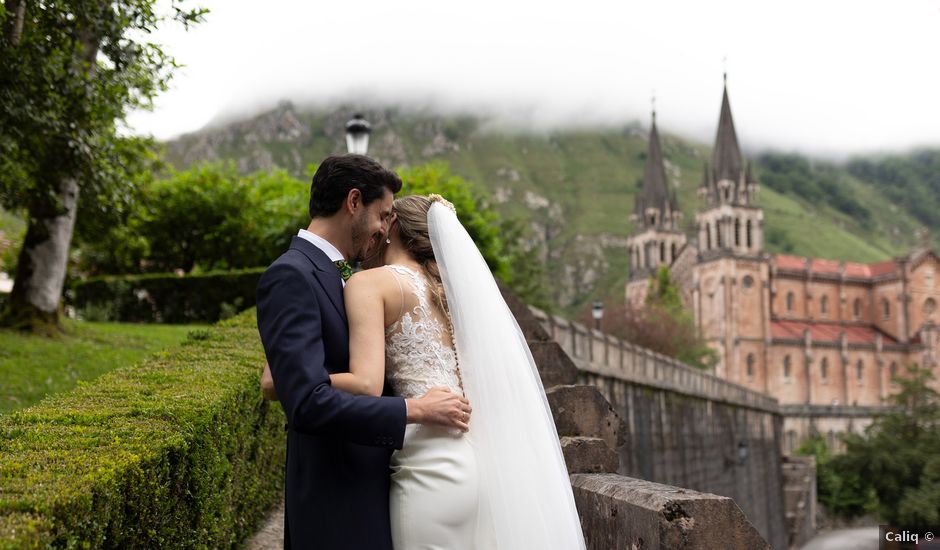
[{"x": 823, "y": 77}]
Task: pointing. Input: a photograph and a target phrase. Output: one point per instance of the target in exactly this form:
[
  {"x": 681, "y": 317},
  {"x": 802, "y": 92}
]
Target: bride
[{"x": 432, "y": 316}]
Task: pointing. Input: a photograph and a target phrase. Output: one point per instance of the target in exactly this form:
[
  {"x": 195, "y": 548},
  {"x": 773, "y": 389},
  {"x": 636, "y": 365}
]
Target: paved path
[
  {"x": 271, "y": 535},
  {"x": 859, "y": 538}
]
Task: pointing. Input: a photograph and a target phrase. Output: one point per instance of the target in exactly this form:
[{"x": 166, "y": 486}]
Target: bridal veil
[{"x": 525, "y": 489}]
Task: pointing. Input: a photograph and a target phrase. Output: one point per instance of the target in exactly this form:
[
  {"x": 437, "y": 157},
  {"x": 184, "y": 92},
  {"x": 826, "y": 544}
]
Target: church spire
[
  {"x": 726, "y": 156},
  {"x": 655, "y": 194},
  {"x": 657, "y": 238},
  {"x": 654, "y": 205}
]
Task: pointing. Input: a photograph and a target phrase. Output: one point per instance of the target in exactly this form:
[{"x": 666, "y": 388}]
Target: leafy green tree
[
  {"x": 70, "y": 71},
  {"x": 205, "y": 218},
  {"x": 474, "y": 213},
  {"x": 839, "y": 489},
  {"x": 900, "y": 452},
  {"x": 501, "y": 242},
  {"x": 664, "y": 309},
  {"x": 897, "y": 458},
  {"x": 661, "y": 324}
]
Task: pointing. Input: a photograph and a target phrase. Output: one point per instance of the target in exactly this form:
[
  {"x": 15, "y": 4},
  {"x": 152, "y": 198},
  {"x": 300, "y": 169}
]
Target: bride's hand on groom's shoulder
[{"x": 440, "y": 407}]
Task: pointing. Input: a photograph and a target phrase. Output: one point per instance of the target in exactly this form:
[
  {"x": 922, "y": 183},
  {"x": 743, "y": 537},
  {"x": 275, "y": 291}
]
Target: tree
[
  {"x": 840, "y": 490},
  {"x": 898, "y": 456},
  {"x": 205, "y": 218},
  {"x": 70, "y": 71},
  {"x": 662, "y": 324},
  {"x": 500, "y": 240}
]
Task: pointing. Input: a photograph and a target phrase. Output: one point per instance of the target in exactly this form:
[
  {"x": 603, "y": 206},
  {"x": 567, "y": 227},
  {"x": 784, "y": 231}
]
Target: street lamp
[
  {"x": 357, "y": 135},
  {"x": 742, "y": 452},
  {"x": 597, "y": 311}
]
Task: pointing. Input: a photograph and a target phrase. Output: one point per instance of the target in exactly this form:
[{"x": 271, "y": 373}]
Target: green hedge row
[
  {"x": 180, "y": 451},
  {"x": 165, "y": 297}
]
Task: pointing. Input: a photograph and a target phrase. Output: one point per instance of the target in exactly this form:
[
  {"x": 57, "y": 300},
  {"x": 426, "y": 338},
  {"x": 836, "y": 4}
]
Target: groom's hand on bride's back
[{"x": 440, "y": 407}]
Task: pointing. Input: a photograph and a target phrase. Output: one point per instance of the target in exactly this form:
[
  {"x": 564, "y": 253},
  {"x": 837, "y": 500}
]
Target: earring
[{"x": 388, "y": 241}]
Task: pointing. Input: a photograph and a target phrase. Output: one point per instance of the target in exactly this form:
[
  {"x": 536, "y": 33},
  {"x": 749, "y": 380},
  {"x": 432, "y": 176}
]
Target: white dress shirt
[{"x": 331, "y": 251}]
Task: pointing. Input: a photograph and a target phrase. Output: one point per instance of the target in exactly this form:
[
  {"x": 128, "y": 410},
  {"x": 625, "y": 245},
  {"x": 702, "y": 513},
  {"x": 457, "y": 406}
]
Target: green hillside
[{"x": 576, "y": 187}]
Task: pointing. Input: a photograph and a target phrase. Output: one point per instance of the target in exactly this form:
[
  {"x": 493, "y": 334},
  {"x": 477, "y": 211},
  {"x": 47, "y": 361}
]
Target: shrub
[
  {"x": 205, "y": 218},
  {"x": 178, "y": 452},
  {"x": 166, "y": 297}
]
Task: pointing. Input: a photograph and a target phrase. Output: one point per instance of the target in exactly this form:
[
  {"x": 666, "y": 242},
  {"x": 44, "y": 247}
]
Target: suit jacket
[{"x": 338, "y": 444}]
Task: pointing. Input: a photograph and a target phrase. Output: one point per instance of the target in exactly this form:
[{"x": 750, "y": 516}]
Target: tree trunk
[
  {"x": 43, "y": 260},
  {"x": 17, "y": 11},
  {"x": 40, "y": 272}
]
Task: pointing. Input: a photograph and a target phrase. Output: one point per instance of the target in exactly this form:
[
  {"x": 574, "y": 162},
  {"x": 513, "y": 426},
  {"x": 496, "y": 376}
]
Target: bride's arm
[{"x": 365, "y": 309}]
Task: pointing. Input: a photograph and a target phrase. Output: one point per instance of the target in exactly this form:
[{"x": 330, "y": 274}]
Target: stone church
[{"x": 823, "y": 337}]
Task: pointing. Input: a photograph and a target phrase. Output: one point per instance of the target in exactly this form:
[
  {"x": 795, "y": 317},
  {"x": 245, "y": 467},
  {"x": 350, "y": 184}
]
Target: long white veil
[{"x": 524, "y": 483}]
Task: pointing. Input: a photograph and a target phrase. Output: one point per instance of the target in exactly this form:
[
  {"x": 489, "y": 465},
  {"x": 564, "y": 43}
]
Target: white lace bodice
[{"x": 418, "y": 351}]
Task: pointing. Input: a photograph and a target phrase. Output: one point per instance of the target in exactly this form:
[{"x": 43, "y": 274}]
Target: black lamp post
[
  {"x": 357, "y": 135},
  {"x": 742, "y": 452},
  {"x": 597, "y": 311}
]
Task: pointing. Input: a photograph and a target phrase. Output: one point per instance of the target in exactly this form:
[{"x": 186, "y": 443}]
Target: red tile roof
[
  {"x": 831, "y": 267},
  {"x": 827, "y": 332}
]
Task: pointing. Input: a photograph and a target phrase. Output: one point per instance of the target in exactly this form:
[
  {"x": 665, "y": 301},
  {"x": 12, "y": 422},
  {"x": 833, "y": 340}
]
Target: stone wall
[
  {"x": 684, "y": 427},
  {"x": 799, "y": 490}
]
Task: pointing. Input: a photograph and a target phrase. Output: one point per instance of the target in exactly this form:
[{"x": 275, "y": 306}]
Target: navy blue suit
[{"x": 338, "y": 444}]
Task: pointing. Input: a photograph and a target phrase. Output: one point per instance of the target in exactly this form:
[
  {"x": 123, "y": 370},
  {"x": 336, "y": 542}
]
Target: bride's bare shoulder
[{"x": 371, "y": 280}]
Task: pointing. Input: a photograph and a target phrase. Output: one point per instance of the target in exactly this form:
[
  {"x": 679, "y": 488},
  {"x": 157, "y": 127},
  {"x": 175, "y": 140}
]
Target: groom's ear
[{"x": 353, "y": 201}]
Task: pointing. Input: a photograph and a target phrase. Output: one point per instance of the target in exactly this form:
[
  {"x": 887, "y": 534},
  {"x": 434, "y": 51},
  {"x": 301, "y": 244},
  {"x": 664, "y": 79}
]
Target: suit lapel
[{"x": 324, "y": 272}]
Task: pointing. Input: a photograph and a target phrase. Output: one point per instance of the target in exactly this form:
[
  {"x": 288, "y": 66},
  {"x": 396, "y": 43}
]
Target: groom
[{"x": 338, "y": 445}]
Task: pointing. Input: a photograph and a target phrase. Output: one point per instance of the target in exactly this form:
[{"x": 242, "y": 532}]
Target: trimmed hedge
[
  {"x": 166, "y": 297},
  {"x": 178, "y": 452}
]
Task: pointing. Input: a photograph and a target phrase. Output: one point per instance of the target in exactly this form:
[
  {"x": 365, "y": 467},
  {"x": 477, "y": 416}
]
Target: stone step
[
  {"x": 589, "y": 455},
  {"x": 582, "y": 411},
  {"x": 555, "y": 367}
]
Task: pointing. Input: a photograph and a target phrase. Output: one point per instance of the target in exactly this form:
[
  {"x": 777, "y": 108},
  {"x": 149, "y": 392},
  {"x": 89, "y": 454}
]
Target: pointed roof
[
  {"x": 655, "y": 193},
  {"x": 726, "y": 157}
]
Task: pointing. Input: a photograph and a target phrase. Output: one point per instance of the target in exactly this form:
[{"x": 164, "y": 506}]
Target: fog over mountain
[{"x": 822, "y": 78}]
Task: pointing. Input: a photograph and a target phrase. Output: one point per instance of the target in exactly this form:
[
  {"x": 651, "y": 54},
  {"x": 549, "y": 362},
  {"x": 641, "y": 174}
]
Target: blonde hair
[{"x": 411, "y": 214}]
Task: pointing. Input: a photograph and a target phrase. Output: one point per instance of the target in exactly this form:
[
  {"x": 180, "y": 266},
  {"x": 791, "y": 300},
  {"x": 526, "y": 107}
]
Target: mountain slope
[{"x": 576, "y": 187}]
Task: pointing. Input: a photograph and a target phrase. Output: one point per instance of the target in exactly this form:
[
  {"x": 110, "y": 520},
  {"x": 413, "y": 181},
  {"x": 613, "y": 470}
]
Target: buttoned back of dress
[{"x": 419, "y": 350}]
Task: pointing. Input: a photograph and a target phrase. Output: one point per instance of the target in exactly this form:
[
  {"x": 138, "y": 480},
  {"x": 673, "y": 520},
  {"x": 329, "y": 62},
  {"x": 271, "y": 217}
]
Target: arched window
[
  {"x": 894, "y": 372},
  {"x": 790, "y": 299},
  {"x": 718, "y": 239},
  {"x": 831, "y": 439},
  {"x": 859, "y": 370},
  {"x": 930, "y": 305},
  {"x": 748, "y": 231},
  {"x": 737, "y": 232},
  {"x": 857, "y": 308},
  {"x": 750, "y": 365},
  {"x": 824, "y": 305},
  {"x": 791, "y": 440},
  {"x": 708, "y": 235},
  {"x": 662, "y": 252},
  {"x": 886, "y": 308},
  {"x": 786, "y": 366},
  {"x": 673, "y": 251},
  {"x": 824, "y": 369}
]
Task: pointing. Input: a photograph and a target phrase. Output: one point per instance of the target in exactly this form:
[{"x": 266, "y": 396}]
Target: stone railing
[
  {"x": 682, "y": 427},
  {"x": 832, "y": 411},
  {"x": 603, "y": 354}
]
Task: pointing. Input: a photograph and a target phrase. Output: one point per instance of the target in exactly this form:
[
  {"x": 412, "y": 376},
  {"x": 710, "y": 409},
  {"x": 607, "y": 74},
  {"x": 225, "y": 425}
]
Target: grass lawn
[{"x": 32, "y": 367}]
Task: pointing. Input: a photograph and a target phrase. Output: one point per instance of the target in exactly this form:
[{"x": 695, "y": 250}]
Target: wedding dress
[
  {"x": 434, "y": 497},
  {"x": 503, "y": 485}
]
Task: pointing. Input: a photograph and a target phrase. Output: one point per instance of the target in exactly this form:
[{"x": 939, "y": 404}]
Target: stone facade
[{"x": 807, "y": 331}]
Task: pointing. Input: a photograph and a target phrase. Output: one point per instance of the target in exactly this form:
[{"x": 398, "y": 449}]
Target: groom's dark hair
[{"x": 340, "y": 174}]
